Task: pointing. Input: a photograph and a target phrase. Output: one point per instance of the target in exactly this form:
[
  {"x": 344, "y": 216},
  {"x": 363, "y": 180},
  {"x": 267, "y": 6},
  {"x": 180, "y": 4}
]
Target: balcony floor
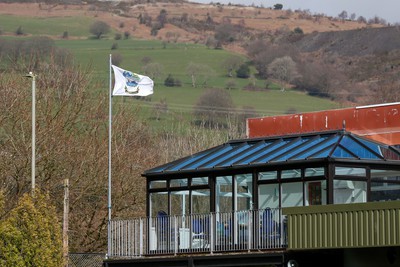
[{"x": 275, "y": 258}]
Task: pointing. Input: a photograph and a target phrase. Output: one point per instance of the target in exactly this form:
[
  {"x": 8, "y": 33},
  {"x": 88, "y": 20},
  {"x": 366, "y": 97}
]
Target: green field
[
  {"x": 52, "y": 26},
  {"x": 173, "y": 57}
]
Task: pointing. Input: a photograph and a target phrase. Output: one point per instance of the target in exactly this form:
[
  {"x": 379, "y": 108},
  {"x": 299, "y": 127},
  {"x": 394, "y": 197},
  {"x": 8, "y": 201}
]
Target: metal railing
[{"x": 206, "y": 233}]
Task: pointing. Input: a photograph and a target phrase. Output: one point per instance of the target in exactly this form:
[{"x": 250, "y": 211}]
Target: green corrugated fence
[{"x": 373, "y": 224}]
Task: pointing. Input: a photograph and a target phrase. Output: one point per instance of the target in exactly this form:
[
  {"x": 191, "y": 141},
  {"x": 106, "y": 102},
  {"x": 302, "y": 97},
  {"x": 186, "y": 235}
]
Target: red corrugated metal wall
[{"x": 378, "y": 122}]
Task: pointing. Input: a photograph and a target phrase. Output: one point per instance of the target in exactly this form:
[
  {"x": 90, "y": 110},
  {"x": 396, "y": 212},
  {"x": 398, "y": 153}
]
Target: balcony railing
[{"x": 205, "y": 233}]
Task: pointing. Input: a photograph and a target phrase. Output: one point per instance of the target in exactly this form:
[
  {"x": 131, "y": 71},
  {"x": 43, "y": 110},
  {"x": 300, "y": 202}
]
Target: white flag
[{"x": 131, "y": 84}]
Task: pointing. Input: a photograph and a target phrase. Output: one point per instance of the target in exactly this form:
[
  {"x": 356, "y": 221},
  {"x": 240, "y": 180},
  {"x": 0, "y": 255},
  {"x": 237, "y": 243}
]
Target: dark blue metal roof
[{"x": 248, "y": 152}]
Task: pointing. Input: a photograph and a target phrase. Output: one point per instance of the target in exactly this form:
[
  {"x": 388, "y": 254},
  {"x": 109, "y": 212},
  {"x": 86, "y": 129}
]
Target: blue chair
[
  {"x": 270, "y": 232},
  {"x": 200, "y": 232},
  {"x": 165, "y": 235}
]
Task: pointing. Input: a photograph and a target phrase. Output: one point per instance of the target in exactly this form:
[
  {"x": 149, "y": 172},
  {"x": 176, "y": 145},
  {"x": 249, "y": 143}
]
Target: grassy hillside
[
  {"x": 173, "y": 57},
  {"x": 50, "y": 26}
]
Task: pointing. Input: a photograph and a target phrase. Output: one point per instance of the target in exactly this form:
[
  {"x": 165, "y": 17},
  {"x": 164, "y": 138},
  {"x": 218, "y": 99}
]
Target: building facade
[{"x": 285, "y": 200}]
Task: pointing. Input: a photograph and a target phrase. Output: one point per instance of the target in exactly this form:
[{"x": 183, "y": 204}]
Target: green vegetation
[
  {"x": 175, "y": 58},
  {"x": 31, "y": 234},
  {"x": 54, "y": 26}
]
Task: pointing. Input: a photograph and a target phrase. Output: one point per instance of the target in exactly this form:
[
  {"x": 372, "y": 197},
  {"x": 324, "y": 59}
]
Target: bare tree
[
  {"x": 230, "y": 84},
  {"x": 71, "y": 142},
  {"x": 225, "y": 32},
  {"x": 387, "y": 90},
  {"x": 361, "y": 19},
  {"x": 199, "y": 73},
  {"x": 343, "y": 15},
  {"x": 263, "y": 52},
  {"x": 284, "y": 69},
  {"x": 160, "y": 108},
  {"x": 99, "y": 28},
  {"x": 153, "y": 70},
  {"x": 162, "y": 18},
  {"x": 231, "y": 64},
  {"x": 214, "y": 107},
  {"x": 146, "y": 60}
]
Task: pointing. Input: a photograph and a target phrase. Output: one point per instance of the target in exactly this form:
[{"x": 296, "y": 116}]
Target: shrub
[
  {"x": 31, "y": 234},
  {"x": 118, "y": 36},
  {"x": 170, "y": 81},
  {"x": 19, "y": 31},
  {"x": 155, "y": 28},
  {"x": 298, "y": 30},
  {"x": 116, "y": 59},
  {"x": 114, "y": 46},
  {"x": 230, "y": 84},
  {"x": 243, "y": 71}
]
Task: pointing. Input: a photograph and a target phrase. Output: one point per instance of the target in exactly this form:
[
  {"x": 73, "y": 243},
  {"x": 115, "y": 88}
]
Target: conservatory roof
[{"x": 269, "y": 150}]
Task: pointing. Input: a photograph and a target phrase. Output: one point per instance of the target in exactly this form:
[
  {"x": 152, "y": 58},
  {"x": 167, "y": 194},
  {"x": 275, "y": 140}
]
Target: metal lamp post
[{"x": 31, "y": 75}]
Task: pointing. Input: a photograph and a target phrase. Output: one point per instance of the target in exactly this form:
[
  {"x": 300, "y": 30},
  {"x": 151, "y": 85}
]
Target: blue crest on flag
[
  {"x": 132, "y": 78},
  {"x": 132, "y": 82}
]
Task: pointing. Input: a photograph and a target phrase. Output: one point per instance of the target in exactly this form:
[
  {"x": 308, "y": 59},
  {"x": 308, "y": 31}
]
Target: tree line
[{"x": 72, "y": 142}]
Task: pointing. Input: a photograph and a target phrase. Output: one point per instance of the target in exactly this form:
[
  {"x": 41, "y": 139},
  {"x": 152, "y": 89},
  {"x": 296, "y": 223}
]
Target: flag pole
[
  {"x": 109, "y": 143},
  {"x": 109, "y": 157}
]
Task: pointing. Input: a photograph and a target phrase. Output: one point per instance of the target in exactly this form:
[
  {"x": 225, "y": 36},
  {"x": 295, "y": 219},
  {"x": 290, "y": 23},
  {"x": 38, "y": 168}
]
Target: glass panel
[
  {"x": 190, "y": 160},
  {"x": 322, "y": 153},
  {"x": 342, "y": 153},
  {"x": 381, "y": 191},
  {"x": 200, "y": 201},
  {"x": 382, "y": 188},
  {"x": 211, "y": 156},
  {"x": 322, "y": 149},
  {"x": 158, "y": 184},
  {"x": 224, "y": 194},
  {"x": 295, "y": 148},
  {"x": 178, "y": 183},
  {"x": 268, "y": 196},
  {"x": 243, "y": 192},
  {"x": 158, "y": 202},
  {"x": 200, "y": 181},
  {"x": 351, "y": 145},
  {"x": 304, "y": 149},
  {"x": 387, "y": 175},
  {"x": 310, "y": 172},
  {"x": 349, "y": 171},
  {"x": 316, "y": 193},
  {"x": 370, "y": 145},
  {"x": 257, "y": 157},
  {"x": 180, "y": 203},
  {"x": 255, "y": 148},
  {"x": 268, "y": 175},
  {"x": 275, "y": 154},
  {"x": 346, "y": 191},
  {"x": 228, "y": 156},
  {"x": 291, "y": 174},
  {"x": 292, "y": 194}
]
